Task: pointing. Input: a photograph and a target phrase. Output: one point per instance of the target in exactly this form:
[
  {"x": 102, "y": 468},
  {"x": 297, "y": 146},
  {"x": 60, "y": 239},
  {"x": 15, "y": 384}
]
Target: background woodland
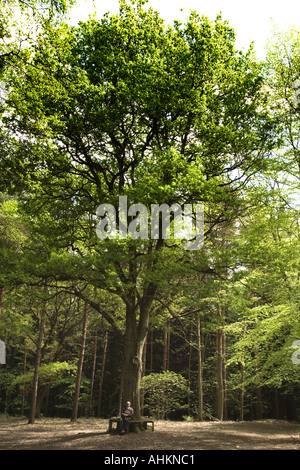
[{"x": 161, "y": 114}]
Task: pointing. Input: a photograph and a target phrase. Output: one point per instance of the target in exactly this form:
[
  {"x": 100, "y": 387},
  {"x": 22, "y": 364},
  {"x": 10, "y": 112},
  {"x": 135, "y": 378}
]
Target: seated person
[{"x": 127, "y": 416}]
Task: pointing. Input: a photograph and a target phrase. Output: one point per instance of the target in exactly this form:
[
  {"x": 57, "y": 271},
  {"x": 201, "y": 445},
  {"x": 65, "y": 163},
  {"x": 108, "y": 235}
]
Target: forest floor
[{"x": 91, "y": 434}]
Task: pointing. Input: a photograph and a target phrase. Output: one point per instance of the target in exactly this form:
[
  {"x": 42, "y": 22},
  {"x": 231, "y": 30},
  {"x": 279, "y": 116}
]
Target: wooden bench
[{"x": 143, "y": 421}]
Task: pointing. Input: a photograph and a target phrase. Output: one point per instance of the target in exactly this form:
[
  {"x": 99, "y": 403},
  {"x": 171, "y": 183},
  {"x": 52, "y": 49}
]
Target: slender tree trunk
[
  {"x": 151, "y": 351},
  {"x": 165, "y": 352},
  {"x": 144, "y": 358},
  {"x": 225, "y": 414},
  {"x": 189, "y": 368},
  {"x": 4, "y": 336},
  {"x": 219, "y": 371},
  {"x": 1, "y": 298},
  {"x": 102, "y": 374},
  {"x": 166, "y": 359},
  {"x": 37, "y": 362},
  {"x": 258, "y": 408},
  {"x": 241, "y": 417},
  {"x": 80, "y": 363},
  {"x": 169, "y": 346},
  {"x": 242, "y": 390},
  {"x": 91, "y": 411},
  {"x": 200, "y": 370},
  {"x": 24, "y": 372}
]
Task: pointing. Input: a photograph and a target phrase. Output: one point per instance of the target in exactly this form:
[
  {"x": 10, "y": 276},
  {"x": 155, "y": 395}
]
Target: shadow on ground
[{"x": 91, "y": 434}]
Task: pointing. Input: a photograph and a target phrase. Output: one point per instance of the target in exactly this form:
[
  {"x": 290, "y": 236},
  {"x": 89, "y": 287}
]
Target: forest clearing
[{"x": 89, "y": 434}]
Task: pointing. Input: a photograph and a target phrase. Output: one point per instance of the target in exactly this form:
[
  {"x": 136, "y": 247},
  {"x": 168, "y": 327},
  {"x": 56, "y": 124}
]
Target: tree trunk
[
  {"x": 37, "y": 362},
  {"x": 200, "y": 370},
  {"x": 102, "y": 374},
  {"x": 258, "y": 407},
  {"x": 80, "y": 363},
  {"x": 137, "y": 324},
  {"x": 169, "y": 346},
  {"x": 1, "y": 298},
  {"x": 144, "y": 358},
  {"x": 151, "y": 351},
  {"x": 133, "y": 350},
  {"x": 4, "y": 336},
  {"x": 189, "y": 368},
  {"x": 24, "y": 372},
  {"x": 225, "y": 414},
  {"x": 91, "y": 412},
  {"x": 219, "y": 372},
  {"x": 221, "y": 367},
  {"x": 135, "y": 337},
  {"x": 242, "y": 390},
  {"x": 241, "y": 416},
  {"x": 165, "y": 353}
]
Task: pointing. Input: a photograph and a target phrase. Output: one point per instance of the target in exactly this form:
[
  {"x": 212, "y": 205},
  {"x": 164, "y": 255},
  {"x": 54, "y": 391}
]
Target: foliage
[
  {"x": 50, "y": 373},
  {"x": 164, "y": 393}
]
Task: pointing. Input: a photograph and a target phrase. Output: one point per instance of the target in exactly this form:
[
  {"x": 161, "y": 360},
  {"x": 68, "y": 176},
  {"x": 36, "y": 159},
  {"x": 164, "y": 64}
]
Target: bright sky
[{"x": 252, "y": 20}]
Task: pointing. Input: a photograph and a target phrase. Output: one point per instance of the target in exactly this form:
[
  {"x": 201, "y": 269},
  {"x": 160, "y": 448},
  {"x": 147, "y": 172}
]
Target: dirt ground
[{"x": 91, "y": 434}]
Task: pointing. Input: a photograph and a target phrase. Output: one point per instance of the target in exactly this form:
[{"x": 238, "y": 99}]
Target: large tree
[{"x": 129, "y": 106}]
